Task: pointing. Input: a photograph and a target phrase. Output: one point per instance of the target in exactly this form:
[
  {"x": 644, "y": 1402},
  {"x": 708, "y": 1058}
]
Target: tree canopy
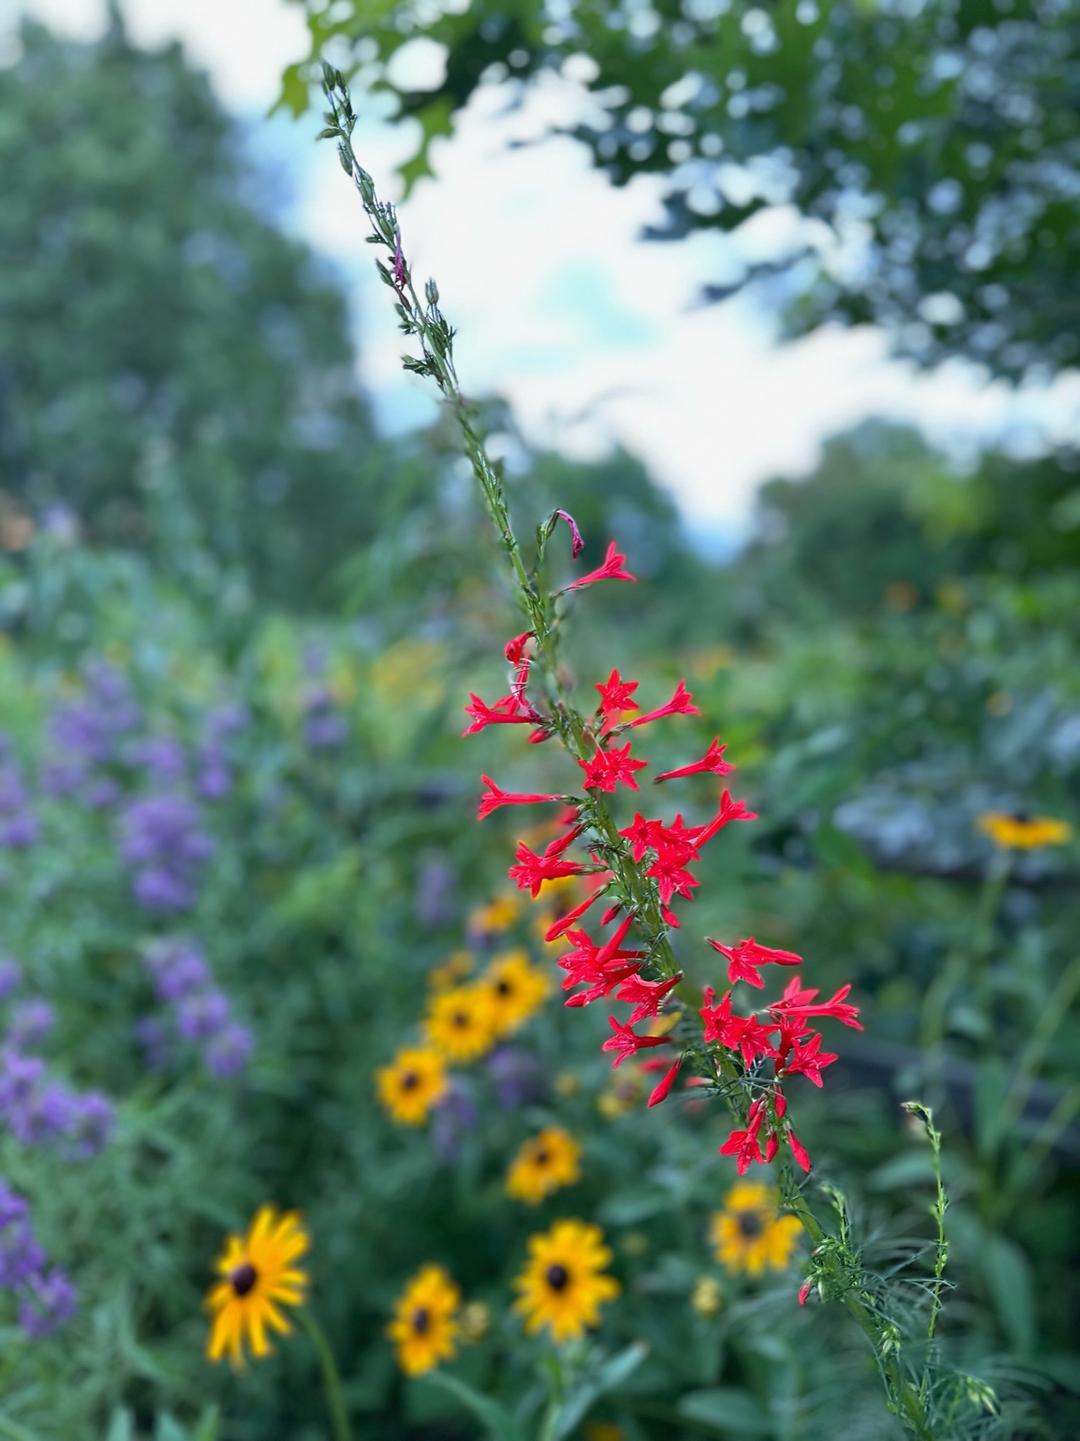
[{"x": 935, "y": 141}]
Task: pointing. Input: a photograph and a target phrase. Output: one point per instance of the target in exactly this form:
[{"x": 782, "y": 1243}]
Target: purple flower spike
[
  {"x": 46, "y": 1303},
  {"x": 200, "y": 1016},
  {"x": 228, "y": 1053}
]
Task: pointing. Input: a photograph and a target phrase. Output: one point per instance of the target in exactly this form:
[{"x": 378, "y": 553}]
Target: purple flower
[
  {"x": 162, "y": 757},
  {"x": 178, "y": 967},
  {"x": 435, "y": 886},
  {"x": 63, "y": 775},
  {"x": 110, "y": 690},
  {"x": 225, "y": 721},
  {"x": 228, "y": 1053},
  {"x": 518, "y": 1077},
  {"x": 80, "y": 728},
  {"x": 162, "y": 836},
  {"x": 325, "y": 728},
  {"x": 214, "y": 778},
  {"x": 47, "y": 1301},
  {"x": 153, "y": 1036},
  {"x": 202, "y": 1015},
  {"x": 10, "y": 977},
  {"x": 19, "y": 827},
  {"x": 30, "y": 1023},
  {"x": 101, "y": 793},
  {"x": 18, "y": 833},
  {"x": 20, "y": 1255},
  {"x": 89, "y": 1124},
  {"x": 455, "y": 1116}
]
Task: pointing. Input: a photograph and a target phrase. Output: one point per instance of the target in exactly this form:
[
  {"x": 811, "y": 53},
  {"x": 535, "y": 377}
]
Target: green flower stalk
[{"x": 645, "y": 867}]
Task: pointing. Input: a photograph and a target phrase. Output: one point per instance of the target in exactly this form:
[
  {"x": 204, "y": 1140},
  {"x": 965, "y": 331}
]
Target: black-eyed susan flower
[
  {"x": 494, "y": 918},
  {"x": 1022, "y": 832},
  {"x": 544, "y": 1163},
  {"x": 459, "y": 1023},
  {"x": 564, "y": 1282},
  {"x": 424, "y": 1329},
  {"x": 258, "y": 1275},
  {"x": 516, "y": 989},
  {"x": 452, "y": 972},
  {"x": 414, "y": 1081},
  {"x": 750, "y": 1235}
]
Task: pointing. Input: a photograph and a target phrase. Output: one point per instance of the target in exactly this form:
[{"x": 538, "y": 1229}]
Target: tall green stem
[{"x": 335, "y": 1399}]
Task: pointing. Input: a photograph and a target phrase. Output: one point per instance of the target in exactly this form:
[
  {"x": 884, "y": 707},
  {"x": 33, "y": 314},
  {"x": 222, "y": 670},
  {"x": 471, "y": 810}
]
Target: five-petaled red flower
[{"x": 607, "y": 769}]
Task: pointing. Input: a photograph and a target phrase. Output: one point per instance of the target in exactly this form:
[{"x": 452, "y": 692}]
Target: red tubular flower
[
  {"x": 681, "y": 703},
  {"x": 645, "y": 996},
  {"x": 672, "y": 879},
  {"x": 505, "y": 712},
  {"x": 712, "y": 763},
  {"x": 745, "y": 1034},
  {"x": 729, "y": 811},
  {"x": 613, "y": 568},
  {"x": 577, "y": 545},
  {"x": 797, "y": 1004},
  {"x": 806, "y": 1057},
  {"x": 563, "y": 924},
  {"x": 626, "y": 1042},
  {"x": 804, "y": 1292},
  {"x": 743, "y": 1145},
  {"x": 744, "y": 958},
  {"x": 616, "y": 696},
  {"x": 532, "y": 870},
  {"x": 515, "y": 647},
  {"x": 799, "y": 1151},
  {"x": 496, "y": 798},
  {"x": 607, "y": 769},
  {"x": 662, "y": 1088}
]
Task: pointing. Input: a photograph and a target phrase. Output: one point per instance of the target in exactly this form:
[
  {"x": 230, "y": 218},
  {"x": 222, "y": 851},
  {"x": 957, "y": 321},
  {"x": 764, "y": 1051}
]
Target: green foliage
[{"x": 938, "y": 144}]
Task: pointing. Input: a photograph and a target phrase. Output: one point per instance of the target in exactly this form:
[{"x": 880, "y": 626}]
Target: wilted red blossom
[
  {"x": 577, "y": 545},
  {"x": 759, "y": 1049}
]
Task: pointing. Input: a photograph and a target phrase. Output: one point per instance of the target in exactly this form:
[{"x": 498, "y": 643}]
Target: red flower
[
  {"x": 798, "y": 1004},
  {"x": 515, "y": 647},
  {"x": 626, "y": 1042},
  {"x": 798, "y": 1150},
  {"x": 608, "y": 768},
  {"x": 672, "y": 879},
  {"x": 532, "y": 870},
  {"x": 806, "y": 1058},
  {"x": 612, "y": 569},
  {"x": 577, "y": 545},
  {"x": 729, "y": 811},
  {"x": 745, "y": 1034},
  {"x": 804, "y": 1292},
  {"x": 496, "y": 798},
  {"x": 712, "y": 762},
  {"x": 743, "y": 1145},
  {"x": 681, "y": 703},
  {"x": 564, "y": 923},
  {"x": 663, "y": 1086},
  {"x": 645, "y": 996},
  {"x": 616, "y": 696},
  {"x": 744, "y": 958},
  {"x": 505, "y": 712}
]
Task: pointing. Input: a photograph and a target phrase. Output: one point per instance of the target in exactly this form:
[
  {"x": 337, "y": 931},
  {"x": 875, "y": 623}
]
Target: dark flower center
[
  {"x": 420, "y": 1320},
  {"x": 243, "y": 1277},
  {"x": 409, "y": 1081},
  {"x": 504, "y": 988},
  {"x": 1022, "y": 817},
  {"x": 750, "y": 1224},
  {"x": 542, "y": 1157},
  {"x": 459, "y": 1019},
  {"x": 557, "y": 1277}
]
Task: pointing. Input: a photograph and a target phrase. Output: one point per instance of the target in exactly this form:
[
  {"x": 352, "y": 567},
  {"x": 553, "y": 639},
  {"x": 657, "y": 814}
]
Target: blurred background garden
[{"x": 784, "y": 298}]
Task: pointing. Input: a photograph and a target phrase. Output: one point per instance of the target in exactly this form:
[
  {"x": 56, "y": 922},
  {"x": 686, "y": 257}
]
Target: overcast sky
[{"x": 593, "y": 335}]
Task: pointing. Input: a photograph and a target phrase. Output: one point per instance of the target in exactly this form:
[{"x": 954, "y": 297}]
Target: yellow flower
[
  {"x": 563, "y": 1284},
  {"x": 460, "y": 1023},
  {"x": 425, "y": 1326},
  {"x": 413, "y": 1082},
  {"x": 625, "y": 1092},
  {"x": 516, "y": 989},
  {"x": 498, "y": 916},
  {"x": 603, "y": 1431},
  {"x": 544, "y": 1164},
  {"x": 750, "y": 1235},
  {"x": 707, "y": 1298},
  {"x": 454, "y": 969},
  {"x": 475, "y": 1321},
  {"x": 258, "y": 1275},
  {"x": 1022, "y": 832},
  {"x": 567, "y": 1084}
]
